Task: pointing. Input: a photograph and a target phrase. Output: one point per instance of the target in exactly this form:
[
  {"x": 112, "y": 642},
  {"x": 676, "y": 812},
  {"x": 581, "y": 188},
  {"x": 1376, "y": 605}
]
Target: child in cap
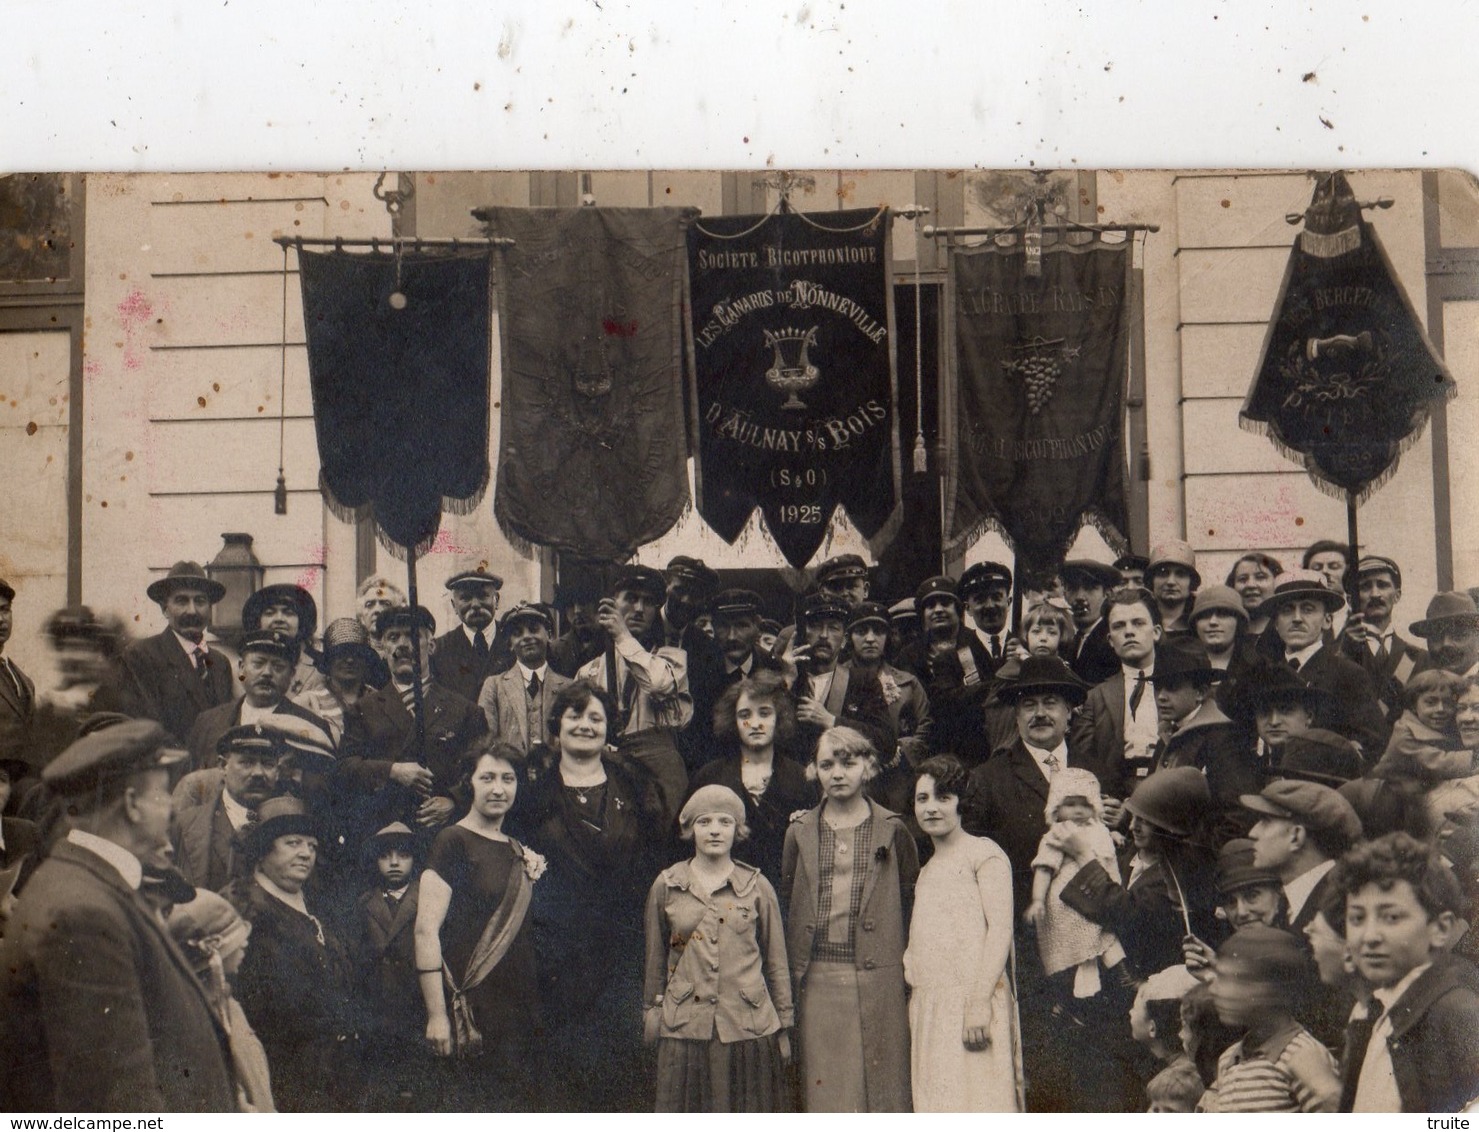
[
  {"x": 1155, "y": 1022},
  {"x": 1278, "y": 1065},
  {"x": 387, "y": 910},
  {"x": 1066, "y": 940}
]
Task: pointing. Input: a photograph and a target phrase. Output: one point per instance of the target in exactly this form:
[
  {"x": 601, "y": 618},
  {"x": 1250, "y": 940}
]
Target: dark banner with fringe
[
  {"x": 1037, "y": 398},
  {"x": 1347, "y": 376},
  {"x": 398, "y": 361},
  {"x": 594, "y": 447},
  {"x": 794, "y": 375}
]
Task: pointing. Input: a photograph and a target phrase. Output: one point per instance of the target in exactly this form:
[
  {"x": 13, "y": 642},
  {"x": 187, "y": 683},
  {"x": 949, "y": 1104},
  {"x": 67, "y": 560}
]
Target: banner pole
[
  {"x": 1017, "y": 595},
  {"x": 1352, "y": 582},
  {"x": 418, "y": 708}
]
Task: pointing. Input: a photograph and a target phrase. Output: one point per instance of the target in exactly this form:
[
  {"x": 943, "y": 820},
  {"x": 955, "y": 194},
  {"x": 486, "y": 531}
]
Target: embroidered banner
[
  {"x": 593, "y": 454},
  {"x": 1347, "y": 376},
  {"x": 792, "y": 321},
  {"x": 398, "y": 361},
  {"x": 1036, "y": 394}
]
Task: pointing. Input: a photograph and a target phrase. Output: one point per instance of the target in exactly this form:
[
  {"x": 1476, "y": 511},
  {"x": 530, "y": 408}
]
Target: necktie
[
  {"x": 392, "y": 902},
  {"x": 408, "y": 696},
  {"x": 1137, "y": 693},
  {"x": 995, "y": 646},
  {"x": 480, "y": 644},
  {"x": 534, "y": 686},
  {"x": 1294, "y": 663},
  {"x": 1382, "y": 653},
  {"x": 1052, "y": 763},
  {"x": 202, "y": 664}
]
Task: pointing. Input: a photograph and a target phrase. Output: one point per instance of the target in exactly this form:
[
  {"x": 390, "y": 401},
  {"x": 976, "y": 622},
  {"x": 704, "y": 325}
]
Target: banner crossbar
[
  {"x": 931, "y": 232},
  {"x": 393, "y": 242}
]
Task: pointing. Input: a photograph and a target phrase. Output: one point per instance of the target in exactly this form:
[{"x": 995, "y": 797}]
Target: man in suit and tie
[
  {"x": 1086, "y": 583},
  {"x": 1115, "y": 734},
  {"x": 828, "y": 693},
  {"x": 468, "y": 654},
  {"x": 99, "y": 1011},
  {"x": 517, "y": 701},
  {"x": 986, "y": 591},
  {"x": 1370, "y": 639},
  {"x": 268, "y": 659},
  {"x": 213, "y": 807},
  {"x": 174, "y": 676},
  {"x": 17, "y": 691},
  {"x": 395, "y": 776},
  {"x": 1451, "y": 630},
  {"x": 1301, "y": 606},
  {"x": 1004, "y": 801}
]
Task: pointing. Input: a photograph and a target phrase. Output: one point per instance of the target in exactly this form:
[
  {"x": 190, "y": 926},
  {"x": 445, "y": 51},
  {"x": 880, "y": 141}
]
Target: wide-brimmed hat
[
  {"x": 527, "y": 611},
  {"x": 481, "y": 576},
  {"x": 1296, "y": 585},
  {"x": 1320, "y": 756},
  {"x": 1174, "y": 552},
  {"x": 1183, "y": 662},
  {"x": 346, "y": 635},
  {"x": 843, "y": 567},
  {"x": 1271, "y": 682},
  {"x": 276, "y": 817},
  {"x": 1218, "y": 599},
  {"x": 1236, "y": 870},
  {"x": 297, "y": 596},
  {"x": 983, "y": 575},
  {"x": 1306, "y": 803},
  {"x": 1173, "y": 800},
  {"x": 404, "y": 617},
  {"x": 1043, "y": 674},
  {"x": 1095, "y": 573},
  {"x": 185, "y": 575},
  {"x": 1450, "y": 608},
  {"x": 109, "y": 755}
]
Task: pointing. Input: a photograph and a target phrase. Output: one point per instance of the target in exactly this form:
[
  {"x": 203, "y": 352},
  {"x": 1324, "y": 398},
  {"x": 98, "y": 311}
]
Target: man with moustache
[
  {"x": 397, "y": 775},
  {"x": 213, "y": 807},
  {"x": 955, "y": 669},
  {"x": 174, "y": 676},
  {"x": 265, "y": 670},
  {"x": 713, "y": 666},
  {"x": 581, "y": 641},
  {"x": 517, "y": 701},
  {"x": 647, "y": 678},
  {"x": 828, "y": 693},
  {"x": 1085, "y": 585},
  {"x": 1451, "y": 630},
  {"x": 467, "y": 655},
  {"x": 690, "y": 586},
  {"x": 99, "y": 1011},
  {"x": 289, "y": 610},
  {"x": 986, "y": 591},
  {"x": 1372, "y": 642},
  {"x": 1005, "y": 801},
  {"x": 1301, "y": 606}
]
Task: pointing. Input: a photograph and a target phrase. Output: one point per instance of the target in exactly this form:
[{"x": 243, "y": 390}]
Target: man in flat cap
[
  {"x": 713, "y": 666},
  {"x": 392, "y": 776},
  {"x": 828, "y": 693},
  {"x": 17, "y": 690},
  {"x": 955, "y": 669},
  {"x": 174, "y": 676},
  {"x": 646, "y": 677},
  {"x": 1372, "y": 641},
  {"x": 215, "y": 806},
  {"x": 1302, "y": 828},
  {"x": 1300, "y": 606},
  {"x": 1085, "y": 585},
  {"x": 1451, "y": 629},
  {"x": 691, "y": 583},
  {"x": 99, "y": 1011},
  {"x": 986, "y": 591},
  {"x": 516, "y": 702},
  {"x": 268, "y": 660},
  {"x": 466, "y": 655}
]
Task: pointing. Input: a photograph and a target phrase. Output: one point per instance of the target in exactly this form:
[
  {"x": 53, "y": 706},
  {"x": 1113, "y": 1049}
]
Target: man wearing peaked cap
[
  {"x": 1371, "y": 639},
  {"x": 1451, "y": 629},
  {"x": 265, "y": 670},
  {"x": 844, "y": 577},
  {"x": 985, "y": 590},
  {"x": 956, "y": 669},
  {"x": 1300, "y": 608},
  {"x": 214, "y": 807},
  {"x": 516, "y": 702},
  {"x": 174, "y": 676},
  {"x": 468, "y": 653},
  {"x": 690, "y": 584},
  {"x": 905, "y": 700},
  {"x": 1085, "y": 584},
  {"x": 1301, "y": 830},
  {"x": 1132, "y": 569},
  {"x": 143, "y": 1036},
  {"x": 290, "y": 610},
  {"x": 829, "y": 693},
  {"x": 713, "y": 666}
]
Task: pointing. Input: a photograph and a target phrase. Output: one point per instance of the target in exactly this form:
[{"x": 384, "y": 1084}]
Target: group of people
[{"x": 1158, "y": 845}]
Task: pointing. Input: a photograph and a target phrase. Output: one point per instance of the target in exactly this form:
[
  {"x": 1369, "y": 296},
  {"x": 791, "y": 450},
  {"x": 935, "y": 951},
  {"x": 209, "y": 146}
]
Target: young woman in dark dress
[
  {"x": 598, "y": 818},
  {"x": 475, "y": 944},
  {"x": 752, "y": 717}
]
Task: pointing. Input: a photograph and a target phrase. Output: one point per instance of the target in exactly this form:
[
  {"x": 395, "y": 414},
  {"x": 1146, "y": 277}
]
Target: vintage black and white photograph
[{"x": 763, "y": 639}]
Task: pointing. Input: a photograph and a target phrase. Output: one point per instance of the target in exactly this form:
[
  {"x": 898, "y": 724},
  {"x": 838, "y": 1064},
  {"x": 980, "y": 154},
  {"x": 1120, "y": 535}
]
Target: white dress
[{"x": 946, "y": 965}]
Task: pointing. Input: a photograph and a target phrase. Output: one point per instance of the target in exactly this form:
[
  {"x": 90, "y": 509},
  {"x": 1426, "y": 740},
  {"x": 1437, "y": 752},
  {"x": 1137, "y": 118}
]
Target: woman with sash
[{"x": 475, "y": 944}]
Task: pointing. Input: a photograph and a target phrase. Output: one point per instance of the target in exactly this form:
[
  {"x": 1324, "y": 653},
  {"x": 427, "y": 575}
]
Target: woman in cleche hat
[{"x": 346, "y": 666}]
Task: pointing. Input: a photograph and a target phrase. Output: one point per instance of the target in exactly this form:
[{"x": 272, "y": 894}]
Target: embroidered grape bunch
[{"x": 1039, "y": 364}]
